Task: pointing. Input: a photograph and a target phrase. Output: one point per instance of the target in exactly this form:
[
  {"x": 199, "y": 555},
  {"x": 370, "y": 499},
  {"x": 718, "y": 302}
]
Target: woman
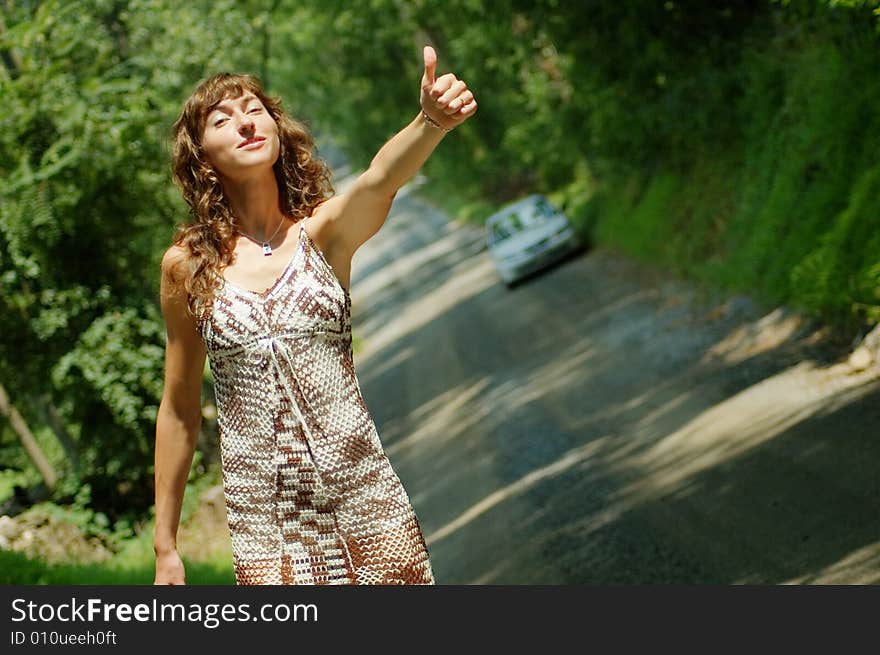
[{"x": 258, "y": 283}]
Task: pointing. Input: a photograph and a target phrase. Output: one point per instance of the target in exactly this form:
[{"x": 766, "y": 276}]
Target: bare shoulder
[
  {"x": 174, "y": 267},
  {"x": 172, "y": 287},
  {"x": 174, "y": 259}
]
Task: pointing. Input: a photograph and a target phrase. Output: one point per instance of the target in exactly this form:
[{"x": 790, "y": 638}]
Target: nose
[{"x": 246, "y": 123}]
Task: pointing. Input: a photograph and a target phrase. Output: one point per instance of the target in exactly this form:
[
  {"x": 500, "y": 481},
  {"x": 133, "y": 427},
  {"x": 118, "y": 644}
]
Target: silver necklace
[{"x": 267, "y": 249}]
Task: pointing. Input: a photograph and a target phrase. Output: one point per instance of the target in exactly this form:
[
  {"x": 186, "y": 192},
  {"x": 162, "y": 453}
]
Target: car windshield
[{"x": 530, "y": 215}]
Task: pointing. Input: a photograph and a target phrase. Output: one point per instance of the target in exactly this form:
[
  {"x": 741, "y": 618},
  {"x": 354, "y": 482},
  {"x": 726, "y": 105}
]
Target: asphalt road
[{"x": 604, "y": 423}]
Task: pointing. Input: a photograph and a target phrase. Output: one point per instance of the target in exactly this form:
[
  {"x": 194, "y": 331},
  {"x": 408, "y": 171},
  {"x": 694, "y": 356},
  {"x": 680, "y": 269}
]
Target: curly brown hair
[{"x": 304, "y": 182}]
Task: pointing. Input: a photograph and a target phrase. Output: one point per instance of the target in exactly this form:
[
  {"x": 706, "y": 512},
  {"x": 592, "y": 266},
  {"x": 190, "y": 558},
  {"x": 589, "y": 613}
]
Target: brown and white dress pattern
[{"x": 311, "y": 496}]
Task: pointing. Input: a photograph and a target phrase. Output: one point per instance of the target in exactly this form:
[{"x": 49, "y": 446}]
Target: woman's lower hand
[{"x": 169, "y": 568}]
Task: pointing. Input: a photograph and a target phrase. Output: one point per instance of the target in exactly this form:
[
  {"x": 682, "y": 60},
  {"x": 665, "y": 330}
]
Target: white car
[{"x": 528, "y": 235}]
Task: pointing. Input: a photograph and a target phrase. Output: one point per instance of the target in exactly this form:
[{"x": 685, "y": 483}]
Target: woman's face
[{"x": 240, "y": 137}]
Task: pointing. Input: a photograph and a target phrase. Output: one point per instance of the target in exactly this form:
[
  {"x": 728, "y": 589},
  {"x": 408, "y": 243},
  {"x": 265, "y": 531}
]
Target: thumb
[{"x": 430, "y": 65}]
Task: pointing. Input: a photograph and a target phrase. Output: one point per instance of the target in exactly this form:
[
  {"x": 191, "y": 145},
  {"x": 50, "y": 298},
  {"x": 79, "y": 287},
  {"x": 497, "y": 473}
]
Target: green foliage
[
  {"x": 788, "y": 213},
  {"x": 90, "y": 91},
  {"x": 840, "y": 273},
  {"x": 14, "y": 477},
  {"x": 114, "y": 374}
]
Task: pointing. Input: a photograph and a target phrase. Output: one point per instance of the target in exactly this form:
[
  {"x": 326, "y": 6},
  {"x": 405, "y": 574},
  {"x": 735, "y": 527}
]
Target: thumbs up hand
[{"x": 447, "y": 99}]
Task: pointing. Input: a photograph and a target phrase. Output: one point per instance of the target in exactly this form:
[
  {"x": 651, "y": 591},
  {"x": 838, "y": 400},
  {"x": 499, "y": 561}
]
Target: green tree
[{"x": 90, "y": 90}]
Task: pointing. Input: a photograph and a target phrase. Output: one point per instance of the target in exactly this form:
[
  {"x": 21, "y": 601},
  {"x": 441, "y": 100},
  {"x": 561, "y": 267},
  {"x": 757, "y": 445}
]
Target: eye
[
  {"x": 219, "y": 121},
  {"x": 251, "y": 111}
]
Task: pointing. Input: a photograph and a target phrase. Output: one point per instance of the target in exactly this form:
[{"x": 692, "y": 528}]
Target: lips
[{"x": 252, "y": 140}]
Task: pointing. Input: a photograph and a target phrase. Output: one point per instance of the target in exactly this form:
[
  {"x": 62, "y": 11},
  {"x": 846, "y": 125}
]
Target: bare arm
[
  {"x": 178, "y": 420},
  {"x": 360, "y": 212}
]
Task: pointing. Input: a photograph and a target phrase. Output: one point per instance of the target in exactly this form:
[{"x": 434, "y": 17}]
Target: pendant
[{"x": 267, "y": 249}]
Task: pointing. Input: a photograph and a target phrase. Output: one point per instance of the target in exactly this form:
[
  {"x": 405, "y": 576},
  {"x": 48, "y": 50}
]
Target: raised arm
[
  {"x": 358, "y": 214},
  {"x": 179, "y": 417}
]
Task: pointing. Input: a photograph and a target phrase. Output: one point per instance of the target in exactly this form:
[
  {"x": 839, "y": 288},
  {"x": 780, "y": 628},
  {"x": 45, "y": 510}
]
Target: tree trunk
[{"x": 31, "y": 447}]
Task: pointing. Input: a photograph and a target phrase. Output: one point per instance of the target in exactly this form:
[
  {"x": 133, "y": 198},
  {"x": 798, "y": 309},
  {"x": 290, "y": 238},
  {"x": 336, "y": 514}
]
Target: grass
[{"x": 19, "y": 569}]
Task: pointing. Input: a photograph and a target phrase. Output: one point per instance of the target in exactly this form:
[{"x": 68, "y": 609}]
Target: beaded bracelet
[{"x": 431, "y": 121}]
